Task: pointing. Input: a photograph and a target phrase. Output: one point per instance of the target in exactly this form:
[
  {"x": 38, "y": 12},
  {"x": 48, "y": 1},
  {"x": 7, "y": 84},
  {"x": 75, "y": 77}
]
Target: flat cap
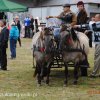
[{"x": 66, "y": 5}]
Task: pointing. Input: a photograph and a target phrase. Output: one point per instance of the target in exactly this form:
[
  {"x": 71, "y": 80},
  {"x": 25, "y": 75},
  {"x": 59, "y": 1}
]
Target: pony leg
[
  {"x": 76, "y": 70},
  {"x": 85, "y": 64},
  {"x": 39, "y": 75},
  {"x": 39, "y": 79},
  {"x": 66, "y": 74},
  {"x": 48, "y": 73},
  {"x": 35, "y": 72}
]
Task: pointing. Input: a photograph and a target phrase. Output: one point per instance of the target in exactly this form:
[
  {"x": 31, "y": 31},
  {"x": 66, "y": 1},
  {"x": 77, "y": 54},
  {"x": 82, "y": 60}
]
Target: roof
[{"x": 8, "y": 6}]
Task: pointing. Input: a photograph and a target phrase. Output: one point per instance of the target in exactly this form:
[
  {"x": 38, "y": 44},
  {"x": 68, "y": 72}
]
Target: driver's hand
[
  {"x": 76, "y": 26},
  {"x": 57, "y": 16},
  {"x": 47, "y": 17}
]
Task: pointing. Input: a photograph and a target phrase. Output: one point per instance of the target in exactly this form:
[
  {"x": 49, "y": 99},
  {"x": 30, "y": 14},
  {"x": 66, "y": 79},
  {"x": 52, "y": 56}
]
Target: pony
[
  {"x": 75, "y": 48},
  {"x": 42, "y": 54}
]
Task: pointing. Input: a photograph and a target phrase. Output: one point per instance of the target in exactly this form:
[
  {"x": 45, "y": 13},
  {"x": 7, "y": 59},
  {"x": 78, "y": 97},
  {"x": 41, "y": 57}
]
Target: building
[{"x": 43, "y": 8}]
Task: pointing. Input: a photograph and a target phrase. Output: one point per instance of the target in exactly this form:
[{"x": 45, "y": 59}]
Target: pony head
[
  {"x": 48, "y": 39},
  {"x": 68, "y": 35}
]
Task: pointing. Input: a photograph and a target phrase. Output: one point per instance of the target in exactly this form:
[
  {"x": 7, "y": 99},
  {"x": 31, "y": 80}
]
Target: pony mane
[{"x": 41, "y": 35}]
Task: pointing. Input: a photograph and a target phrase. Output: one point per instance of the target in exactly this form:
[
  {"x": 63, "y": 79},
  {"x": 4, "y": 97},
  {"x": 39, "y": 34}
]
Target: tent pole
[{"x": 41, "y": 8}]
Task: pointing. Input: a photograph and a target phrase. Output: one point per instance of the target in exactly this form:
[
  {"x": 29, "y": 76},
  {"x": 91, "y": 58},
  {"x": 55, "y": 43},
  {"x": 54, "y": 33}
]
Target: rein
[{"x": 69, "y": 40}]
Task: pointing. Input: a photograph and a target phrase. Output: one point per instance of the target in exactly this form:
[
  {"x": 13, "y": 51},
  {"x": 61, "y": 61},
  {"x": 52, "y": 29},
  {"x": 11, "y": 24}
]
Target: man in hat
[
  {"x": 4, "y": 34},
  {"x": 67, "y": 16}
]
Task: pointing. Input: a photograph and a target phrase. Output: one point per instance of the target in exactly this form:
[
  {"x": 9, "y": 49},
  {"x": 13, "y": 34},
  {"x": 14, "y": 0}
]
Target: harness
[
  {"x": 39, "y": 46},
  {"x": 67, "y": 18},
  {"x": 69, "y": 47}
]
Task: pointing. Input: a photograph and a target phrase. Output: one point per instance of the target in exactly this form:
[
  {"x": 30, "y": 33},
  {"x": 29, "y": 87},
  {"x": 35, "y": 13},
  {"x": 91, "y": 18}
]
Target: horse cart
[
  {"x": 56, "y": 46},
  {"x": 54, "y": 24}
]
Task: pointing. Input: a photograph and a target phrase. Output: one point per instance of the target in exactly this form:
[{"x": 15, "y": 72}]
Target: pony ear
[
  {"x": 45, "y": 28},
  {"x": 74, "y": 36}
]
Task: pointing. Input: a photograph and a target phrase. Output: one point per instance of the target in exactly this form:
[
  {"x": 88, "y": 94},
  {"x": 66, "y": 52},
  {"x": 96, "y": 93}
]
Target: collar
[{"x": 67, "y": 12}]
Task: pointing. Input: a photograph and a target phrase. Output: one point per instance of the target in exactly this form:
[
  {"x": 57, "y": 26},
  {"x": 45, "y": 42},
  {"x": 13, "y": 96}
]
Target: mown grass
[{"x": 18, "y": 81}]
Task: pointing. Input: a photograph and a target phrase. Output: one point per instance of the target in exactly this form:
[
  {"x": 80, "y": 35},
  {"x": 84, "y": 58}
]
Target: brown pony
[
  {"x": 75, "y": 49},
  {"x": 42, "y": 55}
]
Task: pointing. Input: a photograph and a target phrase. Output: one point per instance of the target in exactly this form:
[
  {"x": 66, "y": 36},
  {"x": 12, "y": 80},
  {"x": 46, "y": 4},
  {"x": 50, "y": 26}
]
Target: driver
[{"x": 67, "y": 17}]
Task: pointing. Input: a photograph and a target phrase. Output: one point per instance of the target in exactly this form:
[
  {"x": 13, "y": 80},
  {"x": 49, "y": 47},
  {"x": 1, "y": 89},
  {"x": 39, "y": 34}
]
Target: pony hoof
[
  {"x": 47, "y": 84},
  {"x": 65, "y": 85},
  {"x": 75, "y": 82},
  {"x": 43, "y": 81},
  {"x": 38, "y": 85}
]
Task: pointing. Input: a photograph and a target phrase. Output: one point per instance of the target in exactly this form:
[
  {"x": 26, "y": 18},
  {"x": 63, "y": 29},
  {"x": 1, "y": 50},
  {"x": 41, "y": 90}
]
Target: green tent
[{"x": 9, "y": 6}]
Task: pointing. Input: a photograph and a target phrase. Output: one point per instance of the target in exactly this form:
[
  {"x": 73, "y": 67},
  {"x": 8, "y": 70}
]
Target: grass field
[{"x": 18, "y": 83}]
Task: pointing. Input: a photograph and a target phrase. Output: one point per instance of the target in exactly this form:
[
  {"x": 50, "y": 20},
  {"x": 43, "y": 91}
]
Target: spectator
[
  {"x": 17, "y": 23},
  {"x": 96, "y": 70},
  {"x": 0, "y": 52},
  {"x": 14, "y": 34},
  {"x": 32, "y": 25},
  {"x": 3, "y": 44},
  {"x": 8, "y": 27},
  {"x": 3, "y": 15},
  {"x": 27, "y": 27},
  {"x": 36, "y": 25}
]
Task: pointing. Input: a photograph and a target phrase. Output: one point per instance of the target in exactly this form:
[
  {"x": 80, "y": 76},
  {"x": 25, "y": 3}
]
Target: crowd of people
[
  {"x": 67, "y": 16},
  {"x": 31, "y": 26},
  {"x": 12, "y": 32}
]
